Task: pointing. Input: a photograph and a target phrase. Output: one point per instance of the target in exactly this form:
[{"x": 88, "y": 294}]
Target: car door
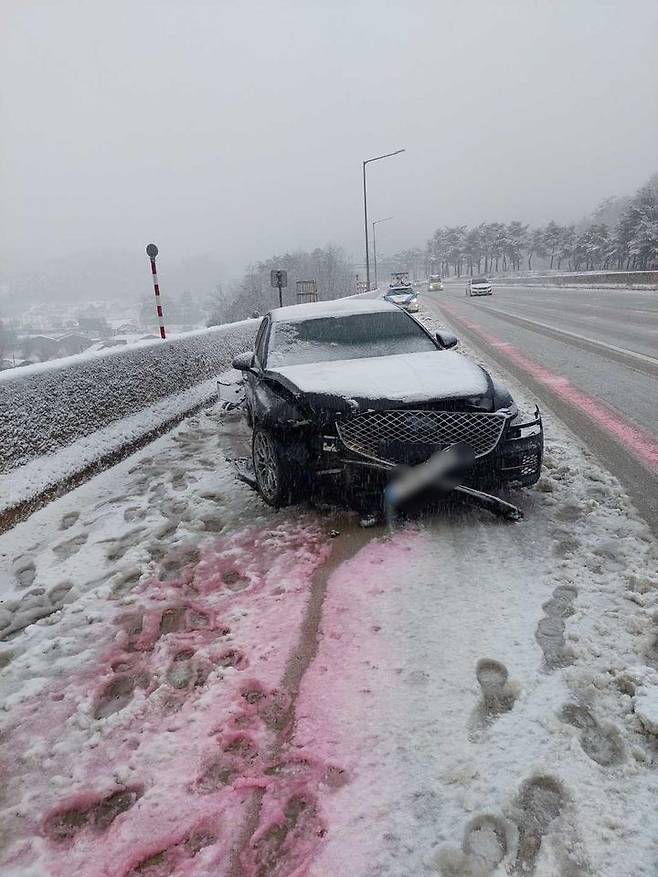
[{"x": 251, "y": 378}]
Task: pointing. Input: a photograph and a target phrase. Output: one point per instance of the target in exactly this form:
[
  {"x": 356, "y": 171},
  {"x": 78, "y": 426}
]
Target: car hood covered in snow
[{"x": 406, "y": 378}]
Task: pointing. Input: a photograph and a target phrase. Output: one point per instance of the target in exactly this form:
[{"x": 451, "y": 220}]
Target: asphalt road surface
[{"x": 591, "y": 354}]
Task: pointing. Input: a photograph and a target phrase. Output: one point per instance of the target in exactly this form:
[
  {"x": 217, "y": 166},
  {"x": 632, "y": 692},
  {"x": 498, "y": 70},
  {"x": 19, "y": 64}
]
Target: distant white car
[
  {"x": 435, "y": 282},
  {"x": 479, "y": 286}
]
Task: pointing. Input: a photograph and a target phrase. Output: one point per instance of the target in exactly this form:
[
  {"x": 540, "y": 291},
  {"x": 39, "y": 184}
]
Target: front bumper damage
[{"x": 515, "y": 460}]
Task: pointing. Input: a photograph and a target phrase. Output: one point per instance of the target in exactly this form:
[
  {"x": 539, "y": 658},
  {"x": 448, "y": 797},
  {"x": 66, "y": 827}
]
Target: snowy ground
[{"x": 216, "y": 689}]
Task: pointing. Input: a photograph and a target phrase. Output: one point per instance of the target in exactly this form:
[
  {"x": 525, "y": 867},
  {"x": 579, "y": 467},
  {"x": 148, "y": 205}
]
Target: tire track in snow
[{"x": 283, "y": 828}]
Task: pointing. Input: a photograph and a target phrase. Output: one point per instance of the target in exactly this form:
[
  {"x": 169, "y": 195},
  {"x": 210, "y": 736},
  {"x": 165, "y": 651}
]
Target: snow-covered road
[{"x": 217, "y": 689}]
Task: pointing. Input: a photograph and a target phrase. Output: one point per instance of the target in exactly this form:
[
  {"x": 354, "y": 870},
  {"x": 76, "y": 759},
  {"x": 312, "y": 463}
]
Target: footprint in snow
[
  {"x": 540, "y": 811},
  {"x": 66, "y": 822},
  {"x": 134, "y": 513},
  {"x": 498, "y": 694},
  {"x": 489, "y": 840},
  {"x": 70, "y": 547},
  {"x": 116, "y": 695},
  {"x": 485, "y": 845},
  {"x": 550, "y": 629},
  {"x": 602, "y": 743},
  {"x": 172, "y": 859},
  {"x": 69, "y": 520},
  {"x": 24, "y": 571},
  {"x": 119, "y": 547}
]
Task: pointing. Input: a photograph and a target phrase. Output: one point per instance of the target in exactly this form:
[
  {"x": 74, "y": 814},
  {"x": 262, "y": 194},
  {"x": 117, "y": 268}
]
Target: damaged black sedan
[{"x": 354, "y": 390}]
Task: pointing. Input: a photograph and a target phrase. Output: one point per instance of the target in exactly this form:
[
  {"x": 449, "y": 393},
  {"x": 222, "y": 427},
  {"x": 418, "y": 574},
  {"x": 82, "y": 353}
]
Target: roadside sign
[
  {"x": 279, "y": 279},
  {"x": 152, "y": 252},
  {"x": 306, "y": 291}
]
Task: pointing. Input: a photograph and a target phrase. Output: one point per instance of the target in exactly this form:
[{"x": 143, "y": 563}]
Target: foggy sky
[{"x": 238, "y": 129}]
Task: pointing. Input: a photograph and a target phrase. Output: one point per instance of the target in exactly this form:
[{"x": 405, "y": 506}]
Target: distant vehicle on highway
[
  {"x": 404, "y": 296},
  {"x": 352, "y": 390},
  {"x": 479, "y": 286},
  {"x": 401, "y": 292},
  {"x": 435, "y": 282}
]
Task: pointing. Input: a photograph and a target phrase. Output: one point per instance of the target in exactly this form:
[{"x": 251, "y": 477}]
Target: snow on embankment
[{"x": 59, "y": 418}]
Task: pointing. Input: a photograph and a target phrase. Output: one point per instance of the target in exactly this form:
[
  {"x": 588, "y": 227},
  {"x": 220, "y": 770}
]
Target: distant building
[
  {"x": 94, "y": 324},
  {"x": 39, "y": 347},
  {"x": 73, "y": 343}
]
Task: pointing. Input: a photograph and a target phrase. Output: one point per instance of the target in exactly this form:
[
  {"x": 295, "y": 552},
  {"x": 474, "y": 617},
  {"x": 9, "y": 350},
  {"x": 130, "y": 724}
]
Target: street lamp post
[
  {"x": 365, "y": 205},
  {"x": 374, "y": 243}
]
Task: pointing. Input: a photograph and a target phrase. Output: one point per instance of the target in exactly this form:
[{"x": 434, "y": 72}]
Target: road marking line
[
  {"x": 638, "y": 441},
  {"x": 631, "y": 354}
]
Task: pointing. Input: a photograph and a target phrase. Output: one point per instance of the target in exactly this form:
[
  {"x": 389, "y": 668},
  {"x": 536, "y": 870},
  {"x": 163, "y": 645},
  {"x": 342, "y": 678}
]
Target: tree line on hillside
[
  {"x": 621, "y": 234},
  {"x": 632, "y": 243},
  {"x": 328, "y": 266}
]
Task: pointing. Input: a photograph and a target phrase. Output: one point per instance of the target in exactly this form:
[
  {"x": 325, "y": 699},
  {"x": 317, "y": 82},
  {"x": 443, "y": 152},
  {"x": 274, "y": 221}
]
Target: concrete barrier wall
[
  {"x": 615, "y": 279},
  {"x": 47, "y": 407}
]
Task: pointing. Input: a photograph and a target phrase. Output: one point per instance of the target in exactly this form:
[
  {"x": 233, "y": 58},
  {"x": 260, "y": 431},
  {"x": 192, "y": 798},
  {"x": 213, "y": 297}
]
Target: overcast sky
[{"x": 238, "y": 128}]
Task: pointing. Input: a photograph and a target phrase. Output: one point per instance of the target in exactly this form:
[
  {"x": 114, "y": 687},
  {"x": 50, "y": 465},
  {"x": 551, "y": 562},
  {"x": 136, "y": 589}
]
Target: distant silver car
[
  {"x": 479, "y": 286},
  {"x": 404, "y": 297}
]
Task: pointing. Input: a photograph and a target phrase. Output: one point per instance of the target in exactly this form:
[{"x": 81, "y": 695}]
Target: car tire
[{"x": 278, "y": 478}]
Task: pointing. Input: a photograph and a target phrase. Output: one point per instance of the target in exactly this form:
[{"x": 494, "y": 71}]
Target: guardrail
[{"x": 62, "y": 420}]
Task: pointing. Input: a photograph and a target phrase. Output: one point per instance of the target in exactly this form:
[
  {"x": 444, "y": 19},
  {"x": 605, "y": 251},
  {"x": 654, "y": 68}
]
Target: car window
[{"x": 346, "y": 337}]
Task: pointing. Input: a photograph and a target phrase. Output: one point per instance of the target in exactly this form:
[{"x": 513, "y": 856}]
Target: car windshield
[
  {"x": 479, "y": 280},
  {"x": 345, "y": 337}
]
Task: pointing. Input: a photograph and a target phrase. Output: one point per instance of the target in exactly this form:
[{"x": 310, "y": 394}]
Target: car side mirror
[
  {"x": 447, "y": 340},
  {"x": 244, "y": 362}
]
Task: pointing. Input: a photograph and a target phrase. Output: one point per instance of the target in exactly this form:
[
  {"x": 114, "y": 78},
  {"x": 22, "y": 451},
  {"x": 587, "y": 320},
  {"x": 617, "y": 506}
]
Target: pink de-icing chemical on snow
[
  {"x": 328, "y": 747},
  {"x": 144, "y": 762}
]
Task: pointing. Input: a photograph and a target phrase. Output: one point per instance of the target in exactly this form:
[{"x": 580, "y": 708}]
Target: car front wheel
[{"x": 276, "y": 476}]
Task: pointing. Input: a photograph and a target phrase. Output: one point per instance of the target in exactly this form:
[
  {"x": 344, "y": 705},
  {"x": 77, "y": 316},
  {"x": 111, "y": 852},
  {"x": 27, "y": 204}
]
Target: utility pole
[
  {"x": 365, "y": 205},
  {"x": 374, "y": 243}
]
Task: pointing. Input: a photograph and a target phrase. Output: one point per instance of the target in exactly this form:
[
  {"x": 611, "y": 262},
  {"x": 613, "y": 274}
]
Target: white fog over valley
[{"x": 229, "y": 132}]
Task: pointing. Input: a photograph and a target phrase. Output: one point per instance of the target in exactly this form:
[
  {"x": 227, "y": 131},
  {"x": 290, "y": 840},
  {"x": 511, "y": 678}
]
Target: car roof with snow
[{"x": 342, "y": 307}]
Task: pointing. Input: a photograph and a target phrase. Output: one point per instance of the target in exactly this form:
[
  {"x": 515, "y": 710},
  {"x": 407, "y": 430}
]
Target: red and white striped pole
[{"x": 152, "y": 252}]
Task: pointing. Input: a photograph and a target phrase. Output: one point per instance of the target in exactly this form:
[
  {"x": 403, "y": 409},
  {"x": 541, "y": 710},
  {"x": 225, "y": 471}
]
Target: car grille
[{"x": 407, "y": 436}]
